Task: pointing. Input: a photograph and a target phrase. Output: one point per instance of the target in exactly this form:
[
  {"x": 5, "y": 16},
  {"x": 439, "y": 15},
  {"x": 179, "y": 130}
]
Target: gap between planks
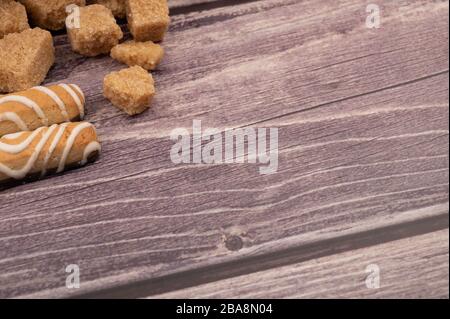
[{"x": 183, "y": 7}]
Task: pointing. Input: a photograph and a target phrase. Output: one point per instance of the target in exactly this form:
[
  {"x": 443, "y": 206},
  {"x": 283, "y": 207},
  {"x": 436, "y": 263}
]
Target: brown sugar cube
[
  {"x": 13, "y": 17},
  {"x": 148, "y": 20},
  {"x": 145, "y": 54},
  {"x": 98, "y": 31},
  {"x": 131, "y": 90},
  {"x": 49, "y": 14},
  {"x": 25, "y": 59},
  {"x": 117, "y": 7}
]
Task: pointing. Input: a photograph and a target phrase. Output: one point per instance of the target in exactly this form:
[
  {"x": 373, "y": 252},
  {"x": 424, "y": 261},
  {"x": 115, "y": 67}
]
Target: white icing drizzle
[
  {"x": 70, "y": 141},
  {"x": 12, "y": 136},
  {"x": 13, "y": 117},
  {"x": 56, "y": 98},
  {"x": 21, "y": 173},
  {"x": 17, "y": 148},
  {"x": 52, "y": 147},
  {"x": 92, "y": 147},
  {"x": 79, "y": 91},
  {"x": 28, "y": 103},
  {"x": 75, "y": 97}
]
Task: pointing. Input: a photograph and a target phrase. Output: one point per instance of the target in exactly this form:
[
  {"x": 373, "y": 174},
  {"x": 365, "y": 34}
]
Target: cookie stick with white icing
[
  {"x": 26, "y": 156},
  {"x": 40, "y": 106}
]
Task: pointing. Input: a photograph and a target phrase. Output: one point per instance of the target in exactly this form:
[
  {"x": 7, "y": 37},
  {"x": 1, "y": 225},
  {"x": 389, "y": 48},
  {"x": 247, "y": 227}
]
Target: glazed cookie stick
[
  {"x": 32, "y": 155},
  {"x": 40, "y": 106}
]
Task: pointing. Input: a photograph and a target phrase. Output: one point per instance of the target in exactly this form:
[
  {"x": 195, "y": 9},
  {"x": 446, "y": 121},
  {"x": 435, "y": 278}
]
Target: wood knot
[{"x": 234, "y": 243}]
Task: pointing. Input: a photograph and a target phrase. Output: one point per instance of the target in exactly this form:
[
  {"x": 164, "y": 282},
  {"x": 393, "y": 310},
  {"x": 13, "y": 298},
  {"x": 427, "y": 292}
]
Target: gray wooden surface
[{"x": 363, "y": 121}]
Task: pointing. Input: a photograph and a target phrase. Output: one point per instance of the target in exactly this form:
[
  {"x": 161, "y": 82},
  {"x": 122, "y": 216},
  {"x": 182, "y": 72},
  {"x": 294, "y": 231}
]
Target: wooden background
[{"x": 363, "y": 168}]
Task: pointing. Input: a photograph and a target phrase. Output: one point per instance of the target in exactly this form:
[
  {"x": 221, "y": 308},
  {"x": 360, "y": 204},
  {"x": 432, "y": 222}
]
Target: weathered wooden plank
[
  {"x": 363, "y": 118},
  {"x": 415, "y": 267},
  {"x": 307, "y": 63},
  {"x": 279, "y": 258}
]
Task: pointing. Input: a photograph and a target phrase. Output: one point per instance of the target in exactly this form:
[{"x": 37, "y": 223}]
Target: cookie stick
[
  {"x": 40, "y": 106},
  {"x": 31, "y": 155}
]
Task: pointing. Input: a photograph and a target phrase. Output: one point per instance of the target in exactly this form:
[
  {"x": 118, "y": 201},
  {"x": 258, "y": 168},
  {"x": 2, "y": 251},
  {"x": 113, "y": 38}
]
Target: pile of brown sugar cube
[
  {"x": 26, "y": 55},
  {"x": 42, "y": 128}
]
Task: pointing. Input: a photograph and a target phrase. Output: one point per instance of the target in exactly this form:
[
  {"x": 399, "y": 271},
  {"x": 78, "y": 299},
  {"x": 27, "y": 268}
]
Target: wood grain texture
[
  {"x": 363, "y": 121},
  {"x": 409, "y": 268}
]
